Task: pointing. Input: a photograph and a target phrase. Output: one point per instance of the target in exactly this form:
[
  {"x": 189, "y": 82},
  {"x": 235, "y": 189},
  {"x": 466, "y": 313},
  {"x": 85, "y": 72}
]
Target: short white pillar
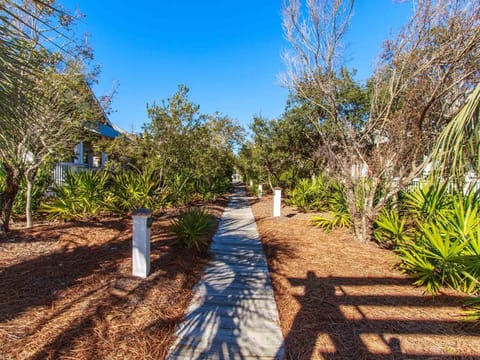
[
  {"x": 260, "y": 191},
  {"x": 277, "y": 202},
  {"x": 142, "y": 219},
  {"x": 251, "y": 183}
]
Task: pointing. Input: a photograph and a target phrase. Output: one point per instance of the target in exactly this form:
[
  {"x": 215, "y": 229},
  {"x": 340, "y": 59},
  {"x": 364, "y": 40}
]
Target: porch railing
[{"x": 61, "y": 169}]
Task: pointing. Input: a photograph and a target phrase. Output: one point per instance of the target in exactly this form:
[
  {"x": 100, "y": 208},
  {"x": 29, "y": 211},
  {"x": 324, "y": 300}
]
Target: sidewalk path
[{"x": 233, "y": 314}]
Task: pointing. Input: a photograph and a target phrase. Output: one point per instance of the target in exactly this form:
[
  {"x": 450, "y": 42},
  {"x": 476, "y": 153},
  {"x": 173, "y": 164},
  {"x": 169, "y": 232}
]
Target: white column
[
  {"x": 251, "y": 183},
  {"x": 277, "y": 202},
  {"x": 104, "y": 159},
  {"x": 141, "y": 243},
  {"x": 79, "y": 153},
  {"x": 260, "y": 191}
]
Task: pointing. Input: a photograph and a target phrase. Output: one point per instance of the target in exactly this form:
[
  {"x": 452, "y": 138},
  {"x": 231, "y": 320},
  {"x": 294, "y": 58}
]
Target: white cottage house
[{"x": 84, "y": 154}]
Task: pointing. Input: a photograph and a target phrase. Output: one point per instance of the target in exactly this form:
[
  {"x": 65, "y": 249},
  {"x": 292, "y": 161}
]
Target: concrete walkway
[{"x": 233, "y": 314}]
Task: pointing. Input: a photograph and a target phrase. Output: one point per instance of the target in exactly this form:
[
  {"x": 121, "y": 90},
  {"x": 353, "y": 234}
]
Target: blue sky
[{"x": 226, "y": 51}]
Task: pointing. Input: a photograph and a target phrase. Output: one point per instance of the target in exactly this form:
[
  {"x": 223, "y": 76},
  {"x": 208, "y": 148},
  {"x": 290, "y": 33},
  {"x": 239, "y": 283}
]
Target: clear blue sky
[{"x": 226, "y": 51}]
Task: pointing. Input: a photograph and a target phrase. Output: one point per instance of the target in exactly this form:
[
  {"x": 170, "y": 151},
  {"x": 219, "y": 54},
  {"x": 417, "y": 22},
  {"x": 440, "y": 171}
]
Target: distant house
[{"x": 84, "y": 154}]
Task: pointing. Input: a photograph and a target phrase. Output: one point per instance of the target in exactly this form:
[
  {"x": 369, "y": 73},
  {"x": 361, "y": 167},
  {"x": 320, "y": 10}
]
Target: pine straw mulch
[
  {"x": 339, "y": 299},
  {"x": 66, "y": 290}
]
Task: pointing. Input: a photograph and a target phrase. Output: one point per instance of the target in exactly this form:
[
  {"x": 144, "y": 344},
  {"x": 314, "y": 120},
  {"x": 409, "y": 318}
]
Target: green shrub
[
  {"x": 82, "y": 194},
  {"x": 446, "y": 248},
  {"x": 338, "y": 215},
  {"x": 309, "y": 194},
  {"x": 334, "y": 219},
  {"x": 390, "y": 228},
  {"x": 190, "y": 227},
  {"x": 132, "y": 190},
  {"x": 428, "y": 200}
]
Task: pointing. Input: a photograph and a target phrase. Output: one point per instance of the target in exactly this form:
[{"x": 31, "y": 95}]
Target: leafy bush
[
  {"x": 132, "y": 190},
  {"x": 428, "y": 199},
  {"x": 82, "y": 194},
  {"x": 445, "y": 250},
  {"x": 309, "y": 194},
  {"x": 338, "y": 216},
  {"x": 190, "y": 227},
  {"x": 334, "y": 219},
  {"x": 390, "y": 228}
]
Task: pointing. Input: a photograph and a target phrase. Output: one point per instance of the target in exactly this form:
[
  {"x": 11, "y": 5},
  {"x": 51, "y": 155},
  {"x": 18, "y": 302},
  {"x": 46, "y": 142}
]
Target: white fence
[{"x": 61, "y": 169}]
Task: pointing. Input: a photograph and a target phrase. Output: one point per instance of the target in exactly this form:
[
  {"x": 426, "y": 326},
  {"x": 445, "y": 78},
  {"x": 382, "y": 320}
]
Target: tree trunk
[
  {"x": 360, "y": 199},
  {"x": 28, "y": 202},
  {"x": 8, "y": 197}
]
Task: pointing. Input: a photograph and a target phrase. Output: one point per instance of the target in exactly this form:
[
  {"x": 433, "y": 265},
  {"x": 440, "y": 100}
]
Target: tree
[
  {"x": 422, "y": 78},
  {"x": 284, "y": 150},
  {"x": 42, "y": 90}
]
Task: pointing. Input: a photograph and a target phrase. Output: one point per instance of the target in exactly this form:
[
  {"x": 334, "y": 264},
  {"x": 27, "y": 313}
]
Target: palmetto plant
[
  {"x": 132, "y": 190},
  {"x": 390, "y": 228},
  {"x": 338, "y": 215},
  {"x": 190, "y": 227},
  {"x": 446, "y": 247},
  {"x": 428, "y": 200},
  {"x": 82, "y": 194},
  {"x": 309, "y": 194}
]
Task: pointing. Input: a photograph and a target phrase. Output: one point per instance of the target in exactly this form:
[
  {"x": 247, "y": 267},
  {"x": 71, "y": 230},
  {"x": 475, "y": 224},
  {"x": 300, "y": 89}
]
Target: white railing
[{"x": 61, "y": 169}]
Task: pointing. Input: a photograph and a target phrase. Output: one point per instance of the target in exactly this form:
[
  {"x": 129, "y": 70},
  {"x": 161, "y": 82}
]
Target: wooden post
[
  {"x": 142, "y": 219},
  {"x": 277, "y": 202},
  {"x": 260, "y": 191}
]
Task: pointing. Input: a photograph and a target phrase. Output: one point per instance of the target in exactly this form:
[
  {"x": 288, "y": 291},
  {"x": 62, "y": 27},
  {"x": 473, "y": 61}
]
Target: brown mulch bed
[
  {"x": 66, "y": 290},
  {"x": 339, "y": 299}
]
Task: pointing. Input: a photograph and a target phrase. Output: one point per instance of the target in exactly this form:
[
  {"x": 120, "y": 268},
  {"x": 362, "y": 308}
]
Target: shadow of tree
[
  {"x": 74, "y": 295},
  {"x": 322, "y": 312},
  {"x": 231, "y": 315}
]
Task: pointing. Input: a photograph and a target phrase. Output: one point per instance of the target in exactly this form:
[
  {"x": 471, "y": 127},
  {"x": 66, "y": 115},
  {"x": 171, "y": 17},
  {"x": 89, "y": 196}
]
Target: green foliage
[
  {"x": 428, "y": 200},
  {"x": 42, "y": 182},
  {"x": 309, "y": 194},
  {"x": 135, "y": 189},
  {"x": 390, "y": 228},
  {"x": 190, "y": 227},
  {"x": 334, "y": 219},
  {"x": 445, "y": 249},
  {"x": 338, "y": 215},
  {"x": 83, "y": 194}
]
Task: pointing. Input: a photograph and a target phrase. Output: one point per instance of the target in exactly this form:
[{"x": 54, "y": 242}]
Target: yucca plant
[
  {"x": 82, "y": 194},
  {"x": 190, "y": 227}
]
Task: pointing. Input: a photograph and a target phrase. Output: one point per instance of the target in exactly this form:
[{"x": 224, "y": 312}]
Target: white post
[
  {"x": 251, "y": 183},
  {"x": 277, "y": 202},
  {"x": 79, "y": 153},
  {"x": 260, "y": 191},
  {"x": 104, "y": 159},
  {"x": 141, "y": 242}
]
